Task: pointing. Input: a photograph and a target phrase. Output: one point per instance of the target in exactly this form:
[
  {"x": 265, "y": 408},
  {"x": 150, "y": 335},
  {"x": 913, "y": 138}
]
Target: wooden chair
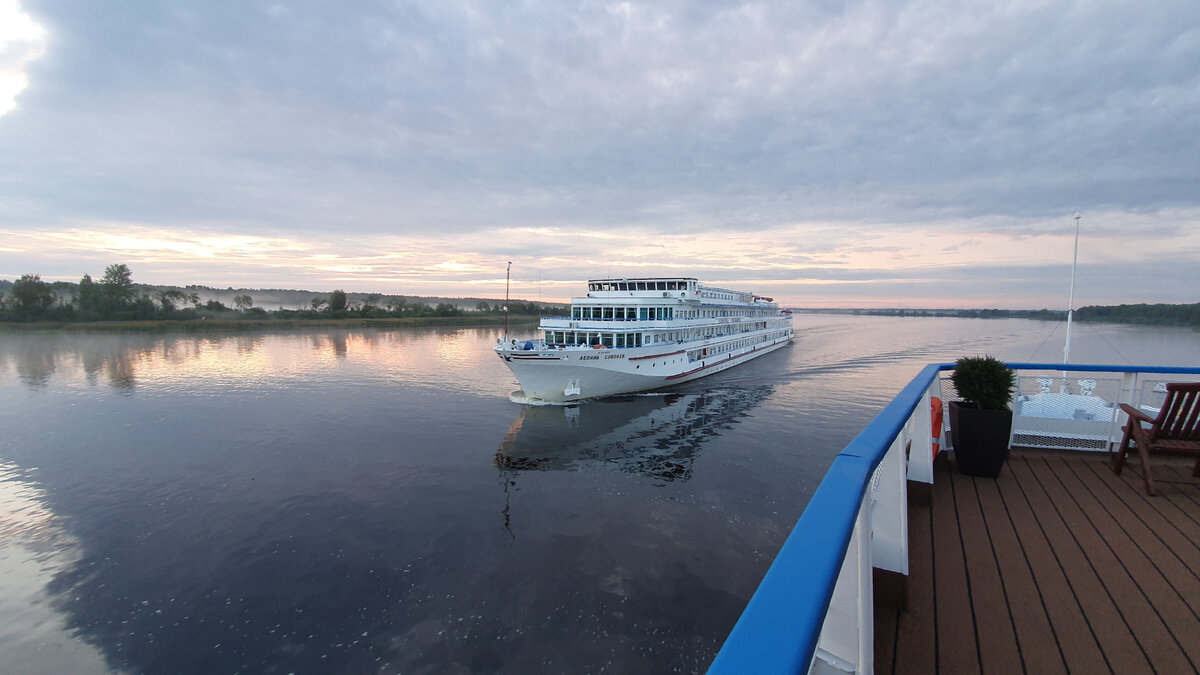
[{"x": 1176, "y": 430}]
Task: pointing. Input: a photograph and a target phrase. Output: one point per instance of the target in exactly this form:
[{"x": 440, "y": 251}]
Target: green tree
[
  {"x": 167, "y": 299},
  {"x": 62, "y": 291},
  {"x": 116, "y": 288},
  {"x": 31, "y": 297},
  {"x": 337, "y": 301},
  {"x": 89, "y": 301},
  {"x": 243, "y": 302}
]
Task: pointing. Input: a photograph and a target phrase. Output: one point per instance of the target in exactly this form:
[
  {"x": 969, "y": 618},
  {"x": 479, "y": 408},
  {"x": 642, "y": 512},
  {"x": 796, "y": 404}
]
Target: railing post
[
  {"x": 889, "y": 518},
  {"x": 920, "y": 457},
  {"x": 847, "y": 642},
  {"x": 1130, "y": 383}
]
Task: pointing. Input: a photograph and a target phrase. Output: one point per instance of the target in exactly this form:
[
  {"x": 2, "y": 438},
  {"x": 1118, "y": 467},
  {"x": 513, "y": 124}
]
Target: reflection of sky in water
[
  {"x": 244, "y": 362},
  {"x": 330, "y": 500},
  {"x": 33, "y": 548}
]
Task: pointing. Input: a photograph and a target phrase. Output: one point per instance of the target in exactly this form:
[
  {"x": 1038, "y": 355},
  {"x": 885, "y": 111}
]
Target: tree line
[
  {"x": 1146, "y": 314},
  {"x": 115, "y": 297}
]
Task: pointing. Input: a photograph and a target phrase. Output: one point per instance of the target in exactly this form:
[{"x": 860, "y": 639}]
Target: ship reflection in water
[{"x": 652, "y": 435}]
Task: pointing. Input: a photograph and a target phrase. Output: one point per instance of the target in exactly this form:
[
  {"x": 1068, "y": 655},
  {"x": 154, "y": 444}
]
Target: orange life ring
[{"x": 935, "y": 405}]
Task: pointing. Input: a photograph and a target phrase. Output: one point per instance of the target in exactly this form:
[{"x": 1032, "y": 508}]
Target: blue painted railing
[{"x": 780, "y": 628}]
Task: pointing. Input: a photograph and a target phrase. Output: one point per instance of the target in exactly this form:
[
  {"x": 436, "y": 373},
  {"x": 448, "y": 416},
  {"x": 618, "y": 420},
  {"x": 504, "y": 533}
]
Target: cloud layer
[{"x": 852, "y": 151}]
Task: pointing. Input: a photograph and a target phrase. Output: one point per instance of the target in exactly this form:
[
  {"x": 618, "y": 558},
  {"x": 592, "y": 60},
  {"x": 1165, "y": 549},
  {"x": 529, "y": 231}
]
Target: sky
[{"x": 883, "y": 153}]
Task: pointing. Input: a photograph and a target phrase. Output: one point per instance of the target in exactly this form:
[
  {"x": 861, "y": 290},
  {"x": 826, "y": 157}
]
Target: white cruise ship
[{"x": 630, "y": 335}]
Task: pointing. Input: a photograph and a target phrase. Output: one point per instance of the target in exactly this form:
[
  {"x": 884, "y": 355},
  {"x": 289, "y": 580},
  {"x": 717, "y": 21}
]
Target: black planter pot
[{"x": 980, "y": 438}]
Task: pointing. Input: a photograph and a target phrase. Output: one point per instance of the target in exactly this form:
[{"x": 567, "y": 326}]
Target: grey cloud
[{"x": 412, "y": 117}]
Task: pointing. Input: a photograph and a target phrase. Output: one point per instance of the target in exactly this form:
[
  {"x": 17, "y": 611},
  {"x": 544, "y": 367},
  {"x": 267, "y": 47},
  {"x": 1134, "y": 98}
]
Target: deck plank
[
  {"x": 954, "y": 625},
  {"x": 1056, "y": 566},
  {"x": 1175, "y": 559},
  {"x": 998, "y": 650},
  {"x": 1124, "y": 581},
  {"x": 1116, "y": 641},
  {"x": 1036, "y": 638},
  {"x": 1070, "y": 629},
  {"x": 1159, "y": 610},
  {"x": 915, "y": 646}
]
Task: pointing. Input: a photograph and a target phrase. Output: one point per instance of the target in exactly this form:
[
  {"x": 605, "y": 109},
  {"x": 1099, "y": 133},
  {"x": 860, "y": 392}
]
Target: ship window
[
  {"x": 620, "y": 314},
  {"x": 608, "y": 339},
  {"x": 641, "y": 285},
  {"x": 622, "y": 286},
  {"x": 608, "y": 312},
  {"x": 642, "y": 314}
]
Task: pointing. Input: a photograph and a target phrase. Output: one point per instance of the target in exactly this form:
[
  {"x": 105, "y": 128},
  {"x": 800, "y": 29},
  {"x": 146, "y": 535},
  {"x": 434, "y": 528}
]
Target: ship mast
[
  {"x": 507, "y": 276},
  {"x": 1071, "y": 299}
]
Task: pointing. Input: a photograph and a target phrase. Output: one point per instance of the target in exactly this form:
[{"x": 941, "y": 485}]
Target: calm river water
[{"x": 373, "y": 500}]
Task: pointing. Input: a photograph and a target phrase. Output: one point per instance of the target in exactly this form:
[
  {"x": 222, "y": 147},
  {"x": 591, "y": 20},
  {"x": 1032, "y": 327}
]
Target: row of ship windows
[
  {"x": 741, "y": 297},
  {"x": 698, "y": 354},
  {"x": 625, "y": 313},
  {"x": 639, "y": 286},
  {"x": 605, "y": 313},
  {"x": 619, "y": 340}
]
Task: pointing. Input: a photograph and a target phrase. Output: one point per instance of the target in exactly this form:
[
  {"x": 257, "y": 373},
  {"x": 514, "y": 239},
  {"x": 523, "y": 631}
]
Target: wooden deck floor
[{"x": 1056, "y": 566}]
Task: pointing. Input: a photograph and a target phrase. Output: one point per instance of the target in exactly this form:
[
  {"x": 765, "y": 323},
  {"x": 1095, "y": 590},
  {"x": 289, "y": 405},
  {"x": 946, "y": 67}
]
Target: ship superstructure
[{"x": 635, "y": 334}]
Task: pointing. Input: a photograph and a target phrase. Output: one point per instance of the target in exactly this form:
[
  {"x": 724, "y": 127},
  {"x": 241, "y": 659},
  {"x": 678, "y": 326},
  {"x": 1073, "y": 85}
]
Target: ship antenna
[
  {"x": 1071, "y": 299},
  {"x": 507, "y": 276}
]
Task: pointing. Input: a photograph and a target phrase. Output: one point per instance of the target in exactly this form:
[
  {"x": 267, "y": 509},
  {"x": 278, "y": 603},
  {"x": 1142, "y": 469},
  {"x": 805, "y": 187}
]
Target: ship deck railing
[{"x": 899, "y": 564}]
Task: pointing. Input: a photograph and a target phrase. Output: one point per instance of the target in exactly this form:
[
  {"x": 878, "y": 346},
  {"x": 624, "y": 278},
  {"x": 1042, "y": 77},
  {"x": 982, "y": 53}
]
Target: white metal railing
[{"x": 814, "y": 609}]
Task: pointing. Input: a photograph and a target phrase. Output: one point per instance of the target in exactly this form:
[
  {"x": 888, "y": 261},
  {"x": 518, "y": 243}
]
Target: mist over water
[{"x": 375, "y": 500}]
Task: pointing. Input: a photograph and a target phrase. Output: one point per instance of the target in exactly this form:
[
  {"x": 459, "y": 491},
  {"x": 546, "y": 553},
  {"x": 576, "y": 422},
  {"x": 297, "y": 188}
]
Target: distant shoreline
[{"x": 254, "y": 325}]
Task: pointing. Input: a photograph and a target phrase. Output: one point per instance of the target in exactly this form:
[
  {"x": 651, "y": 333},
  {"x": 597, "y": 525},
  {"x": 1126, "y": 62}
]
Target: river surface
[{"x": 356, "y": 501}]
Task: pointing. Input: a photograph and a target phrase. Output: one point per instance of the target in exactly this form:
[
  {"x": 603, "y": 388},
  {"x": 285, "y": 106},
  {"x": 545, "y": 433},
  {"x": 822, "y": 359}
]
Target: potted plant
[{"x": 981, "y": 423}]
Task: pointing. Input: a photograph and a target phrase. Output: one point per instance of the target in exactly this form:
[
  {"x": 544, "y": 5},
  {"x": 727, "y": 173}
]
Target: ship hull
[{"x": 564, "y": 375}]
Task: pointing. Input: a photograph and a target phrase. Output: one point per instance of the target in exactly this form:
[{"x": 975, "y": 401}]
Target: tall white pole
[
  {"x": 507, "y": 275},
  {"x": 1071, "y": 301}
]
